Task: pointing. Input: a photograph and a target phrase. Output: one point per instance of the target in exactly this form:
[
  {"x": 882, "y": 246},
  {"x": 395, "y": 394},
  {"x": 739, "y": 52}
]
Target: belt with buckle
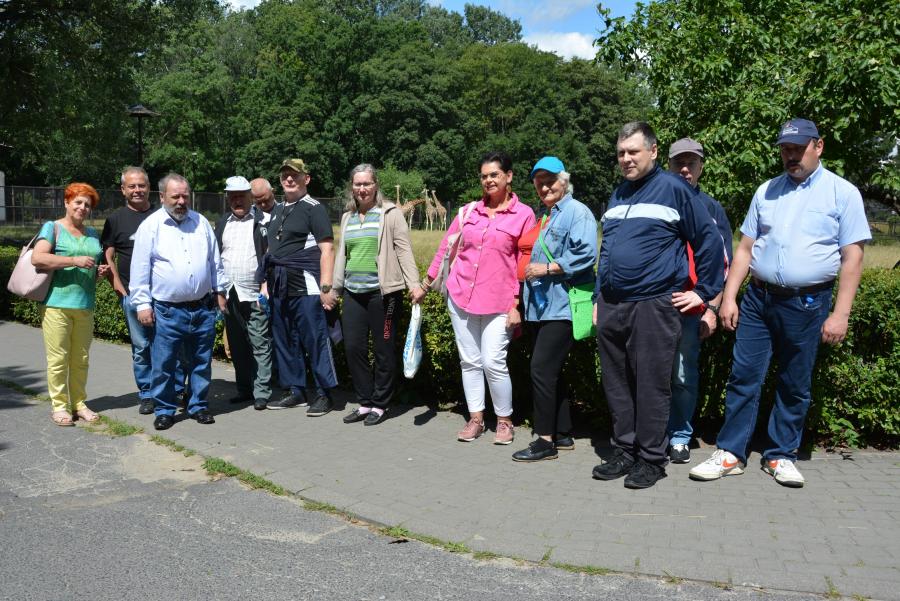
[
  {"x": 776, "y": 290},
  {"x": 200, "y": 303}
]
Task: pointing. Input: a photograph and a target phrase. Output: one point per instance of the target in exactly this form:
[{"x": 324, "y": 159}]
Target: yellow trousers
[{"x": 67, "y": 340}]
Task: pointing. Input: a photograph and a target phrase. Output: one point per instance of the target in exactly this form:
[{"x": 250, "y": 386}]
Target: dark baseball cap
[
  {"x": 797, "y": 131},
  {"x": 686, "y": 145}
]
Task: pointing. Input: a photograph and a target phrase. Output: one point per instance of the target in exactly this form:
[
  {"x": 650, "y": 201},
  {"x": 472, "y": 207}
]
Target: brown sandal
[
  {"x": 87, "y": 415},
  {"x": 62, "y": 418}
]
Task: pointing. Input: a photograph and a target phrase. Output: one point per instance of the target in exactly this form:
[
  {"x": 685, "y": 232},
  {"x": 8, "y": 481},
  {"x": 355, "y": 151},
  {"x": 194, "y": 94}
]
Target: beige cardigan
[{"x": 396, "y": 265}]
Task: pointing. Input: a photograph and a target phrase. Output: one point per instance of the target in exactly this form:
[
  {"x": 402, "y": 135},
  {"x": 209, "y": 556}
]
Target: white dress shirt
[
  {"x": 175, "y": 262},
  {"x": 239, "y": 256}
]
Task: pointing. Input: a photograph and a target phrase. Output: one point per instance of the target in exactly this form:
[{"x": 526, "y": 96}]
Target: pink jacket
[{"x": 483, "y": 279}]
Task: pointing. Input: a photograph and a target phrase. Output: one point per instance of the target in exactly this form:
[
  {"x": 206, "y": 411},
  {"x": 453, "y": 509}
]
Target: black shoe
[
  {"x": 644, "y": 475},
  {"x": 260, "y": 404},
  {"x": 567, "y": 443},
  {"x": 240, "y": 398},
  {"x": 320, "y": 406},
  {"x": 204, "y": 417},
  {"x": 163, "y": 422},
  {"x": 355, "y": 416},
  {"x": 538, "y": 449},
  {"x": 146, "y": 407},
  {"x": 288, "y": 401},
  {"x": 680, "y": 453},
  {"x": 617, "y": 466},
  {"x": 374, "y": 418}
]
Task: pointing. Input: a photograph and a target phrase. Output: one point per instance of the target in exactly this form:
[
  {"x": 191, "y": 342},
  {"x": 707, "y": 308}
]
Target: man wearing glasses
[{"x": 298, "y": 275}]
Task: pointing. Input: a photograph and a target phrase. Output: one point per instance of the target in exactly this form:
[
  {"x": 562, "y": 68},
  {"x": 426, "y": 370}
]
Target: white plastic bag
[{"x": 412, "y": 349}]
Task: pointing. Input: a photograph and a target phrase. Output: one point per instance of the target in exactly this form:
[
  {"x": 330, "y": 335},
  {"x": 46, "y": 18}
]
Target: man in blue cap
[{"x": 804, "y": 228}]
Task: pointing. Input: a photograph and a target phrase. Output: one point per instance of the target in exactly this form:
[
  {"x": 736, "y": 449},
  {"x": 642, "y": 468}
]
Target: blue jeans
[
  {"x": 685, "y": 379},
  {"x": 141, "y": 339},
  {"x": 141, "y": 342},
  {"x": 790, "y": 328},
  {"x": 189, "y": 332}
]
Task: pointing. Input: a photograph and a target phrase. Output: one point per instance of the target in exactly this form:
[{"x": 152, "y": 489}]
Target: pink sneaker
[
  {"x": 473, "y": 430},
  {"x": 504, "y": 433}
]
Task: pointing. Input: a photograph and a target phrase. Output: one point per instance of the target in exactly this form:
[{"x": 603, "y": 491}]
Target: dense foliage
[
  {"x": 336, "y": 82},
  {"x": 728, "y": 72},
  {"x": 856, "y": 393}
]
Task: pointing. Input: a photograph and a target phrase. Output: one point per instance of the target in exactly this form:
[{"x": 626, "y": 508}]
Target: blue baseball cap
[
  {"x": 797, "y": 131},
  {"x": 551, "y": 164}
]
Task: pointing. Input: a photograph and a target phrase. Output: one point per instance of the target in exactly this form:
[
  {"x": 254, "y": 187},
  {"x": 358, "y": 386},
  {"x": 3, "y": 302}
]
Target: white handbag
[
  {"x": 412, "y": 349},
  {"x": 26, "y": 281}
]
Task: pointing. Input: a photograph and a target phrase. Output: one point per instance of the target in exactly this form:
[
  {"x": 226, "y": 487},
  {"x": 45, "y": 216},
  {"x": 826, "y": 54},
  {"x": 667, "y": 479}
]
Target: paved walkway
[{"x": 839, "y": 533}]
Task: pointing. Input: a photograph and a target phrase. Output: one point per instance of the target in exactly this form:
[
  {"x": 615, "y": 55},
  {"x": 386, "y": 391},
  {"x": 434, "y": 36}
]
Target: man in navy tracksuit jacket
[{"x": 640, "y": 296}]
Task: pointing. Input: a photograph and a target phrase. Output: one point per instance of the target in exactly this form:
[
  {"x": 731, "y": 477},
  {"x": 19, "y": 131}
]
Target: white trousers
[{"x": 482, "y": 342}]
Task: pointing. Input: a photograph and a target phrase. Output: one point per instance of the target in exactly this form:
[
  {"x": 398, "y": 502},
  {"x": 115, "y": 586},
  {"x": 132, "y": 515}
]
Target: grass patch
[
  {"x": 672, "y": 578},
  {"x": 116, "y": 428},
  {"x": 219, "y": 467},
  {"x": 401, "y": 532},
  {"x": 327, "y": 508},
  {"x": 24, "y": 390},
  {"x": 172, "y": 445},
  {"x": 832, "y": 592},
  {"x": 485, "y": 555},
  {"x": 589, "y": 570},
  {"x": 725, "y": 586},
  {"x": 547, "y": 554}
]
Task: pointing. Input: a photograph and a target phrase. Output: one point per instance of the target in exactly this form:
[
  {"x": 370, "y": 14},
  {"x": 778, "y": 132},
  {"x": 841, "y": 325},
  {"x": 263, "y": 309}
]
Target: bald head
[{"x": 262, "y": 193}]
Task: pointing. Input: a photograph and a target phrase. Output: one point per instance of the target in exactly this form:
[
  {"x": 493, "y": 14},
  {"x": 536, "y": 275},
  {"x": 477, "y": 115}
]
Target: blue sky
[{"x": 567, "y": 27}]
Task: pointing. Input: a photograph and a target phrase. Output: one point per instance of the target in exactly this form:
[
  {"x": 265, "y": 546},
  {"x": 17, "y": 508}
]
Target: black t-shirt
[
  {"x": 118, "y": 232},
  {"x": 294, "y": 227}
]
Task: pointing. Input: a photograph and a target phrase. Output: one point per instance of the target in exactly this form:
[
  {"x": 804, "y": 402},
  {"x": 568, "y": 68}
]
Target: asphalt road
[{"x": 87, "y": 516}]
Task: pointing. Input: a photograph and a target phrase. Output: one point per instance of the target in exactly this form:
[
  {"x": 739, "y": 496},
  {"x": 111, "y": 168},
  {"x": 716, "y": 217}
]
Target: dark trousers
[
  {"x": 637, "y": 342},
  {"x": 371, "y": 313},
  {"x": 247, "y": 326},
  {"x": 552, "y": 343},
  {"x": 299, "y": 329}
]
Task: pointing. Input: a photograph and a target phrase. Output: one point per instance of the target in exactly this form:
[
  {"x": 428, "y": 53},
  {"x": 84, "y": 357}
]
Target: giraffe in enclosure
[
  {"x": 399, "y": 204},
  {"x": 409, "y": 209},
  {"x": 441, "y": 210},
  {"x": 430, "y": 210}
]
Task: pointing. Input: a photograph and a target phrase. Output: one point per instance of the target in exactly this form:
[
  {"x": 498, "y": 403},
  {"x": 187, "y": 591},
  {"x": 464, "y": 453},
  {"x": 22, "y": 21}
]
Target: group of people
[{"x": 664, "y": 279}]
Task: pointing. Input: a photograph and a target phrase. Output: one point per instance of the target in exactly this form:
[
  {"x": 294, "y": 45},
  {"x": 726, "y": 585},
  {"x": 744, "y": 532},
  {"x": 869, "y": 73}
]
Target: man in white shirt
[
  {"x": 242, "y": 243},
  {"x": 177, "y": 281}
]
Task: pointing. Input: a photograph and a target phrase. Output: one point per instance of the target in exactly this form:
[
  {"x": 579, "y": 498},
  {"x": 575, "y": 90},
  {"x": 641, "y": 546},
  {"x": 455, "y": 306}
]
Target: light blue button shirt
[
  {"x": 175, "y": 262},
  {"x": 799, "y": 229},
  {"x": 571, "y": 237}
]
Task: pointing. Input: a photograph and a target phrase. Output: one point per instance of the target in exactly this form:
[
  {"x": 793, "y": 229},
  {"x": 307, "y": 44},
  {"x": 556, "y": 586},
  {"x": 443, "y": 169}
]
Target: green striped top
[{"x": 361, "y": 244}]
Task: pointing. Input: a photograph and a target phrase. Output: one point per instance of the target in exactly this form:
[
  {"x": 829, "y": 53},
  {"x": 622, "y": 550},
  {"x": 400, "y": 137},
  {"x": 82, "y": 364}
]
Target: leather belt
[
  {"x": 777, "y": 290},
  {"x": 201, "y": 303}
]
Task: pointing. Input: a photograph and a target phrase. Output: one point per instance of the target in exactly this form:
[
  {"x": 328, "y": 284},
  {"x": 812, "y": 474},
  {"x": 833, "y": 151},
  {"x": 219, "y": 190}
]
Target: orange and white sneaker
[
  {"x": 785, "y": 472},
  {"x": 722, "y": 463}
]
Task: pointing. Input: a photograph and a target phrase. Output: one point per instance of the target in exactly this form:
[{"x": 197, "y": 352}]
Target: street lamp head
[{"x": 139, "y": 110}]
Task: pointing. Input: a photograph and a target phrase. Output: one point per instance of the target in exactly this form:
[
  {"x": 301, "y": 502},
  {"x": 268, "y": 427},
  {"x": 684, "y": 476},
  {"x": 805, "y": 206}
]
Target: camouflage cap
[{"x": 295, "y": 165}]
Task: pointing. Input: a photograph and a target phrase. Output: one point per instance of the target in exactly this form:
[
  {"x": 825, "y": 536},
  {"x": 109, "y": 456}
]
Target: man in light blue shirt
[
  {"x": 804, "y": 228},
  {"x": 177, "y": 281}
]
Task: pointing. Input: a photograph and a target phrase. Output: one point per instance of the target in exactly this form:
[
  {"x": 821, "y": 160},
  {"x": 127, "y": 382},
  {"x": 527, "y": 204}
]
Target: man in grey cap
[
  {"x": 686, "y": 158},
  {"x": 804, "y": 228},
  {"x": 242, "y": 244}
]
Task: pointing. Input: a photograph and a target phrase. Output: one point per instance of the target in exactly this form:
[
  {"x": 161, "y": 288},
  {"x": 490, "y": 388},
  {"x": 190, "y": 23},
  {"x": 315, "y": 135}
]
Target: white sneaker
[
  {"x": 785, "y": 472},
  {"x": 722, "y": 463}
]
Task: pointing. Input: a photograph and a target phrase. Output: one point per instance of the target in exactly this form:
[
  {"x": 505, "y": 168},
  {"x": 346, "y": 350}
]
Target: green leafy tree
[{"x": 729, "y": 72}]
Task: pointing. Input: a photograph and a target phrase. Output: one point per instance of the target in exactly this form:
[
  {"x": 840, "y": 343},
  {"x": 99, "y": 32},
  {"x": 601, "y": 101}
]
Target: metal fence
[{"x": 32, "y": 205}]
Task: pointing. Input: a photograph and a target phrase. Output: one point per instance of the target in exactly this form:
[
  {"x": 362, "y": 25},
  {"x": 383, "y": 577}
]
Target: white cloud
[
  {"x": 567, "y": 45},
  {"x": 239, "y": 4}
]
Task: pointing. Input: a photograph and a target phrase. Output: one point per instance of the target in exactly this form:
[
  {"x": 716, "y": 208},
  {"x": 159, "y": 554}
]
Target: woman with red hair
[{"x": 70, "y": 249}]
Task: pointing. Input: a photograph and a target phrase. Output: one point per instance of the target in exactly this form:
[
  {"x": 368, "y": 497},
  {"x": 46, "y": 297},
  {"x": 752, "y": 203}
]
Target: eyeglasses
[{"x": 363, "y": 184}]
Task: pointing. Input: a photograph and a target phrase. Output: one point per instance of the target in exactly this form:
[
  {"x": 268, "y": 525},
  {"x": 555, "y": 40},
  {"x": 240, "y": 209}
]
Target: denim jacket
[{"x": 571, "y": 237}]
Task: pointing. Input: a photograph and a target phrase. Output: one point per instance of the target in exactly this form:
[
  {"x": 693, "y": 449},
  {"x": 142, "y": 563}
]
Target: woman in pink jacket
[{"x": 484, "y": 293}]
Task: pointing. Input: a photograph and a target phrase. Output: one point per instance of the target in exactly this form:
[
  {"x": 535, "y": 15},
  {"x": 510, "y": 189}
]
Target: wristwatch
[
  {"x": 326, "y": 288},
  {"x": 713, "y": 308}
]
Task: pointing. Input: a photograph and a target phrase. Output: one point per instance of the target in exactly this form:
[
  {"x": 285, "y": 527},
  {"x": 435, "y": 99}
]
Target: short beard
[{"x": 174, "y": 216}]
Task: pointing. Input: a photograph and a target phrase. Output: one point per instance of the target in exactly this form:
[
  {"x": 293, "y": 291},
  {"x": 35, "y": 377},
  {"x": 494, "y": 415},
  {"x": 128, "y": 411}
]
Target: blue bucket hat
[
  {"x": 550, "y": 164},
  {"x": 797, "y": 131}
]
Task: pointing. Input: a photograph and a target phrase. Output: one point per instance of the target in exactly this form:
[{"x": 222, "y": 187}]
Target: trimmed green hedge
[{"x": 856, "y": 388}]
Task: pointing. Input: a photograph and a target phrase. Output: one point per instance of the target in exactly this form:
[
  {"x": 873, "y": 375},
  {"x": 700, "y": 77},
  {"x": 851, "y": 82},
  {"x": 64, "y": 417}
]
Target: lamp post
[{"x": 139, "y": 111}]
